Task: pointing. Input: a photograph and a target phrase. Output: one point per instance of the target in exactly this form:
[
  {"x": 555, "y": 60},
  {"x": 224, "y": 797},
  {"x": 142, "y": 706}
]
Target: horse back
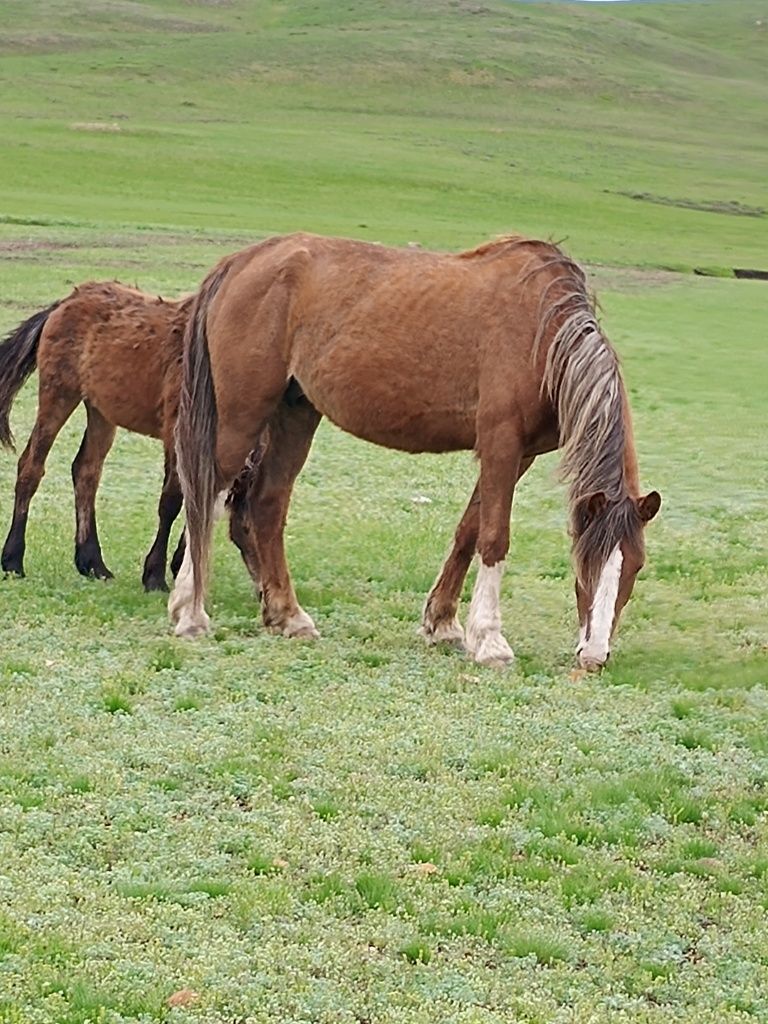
[
  {"x": 396, "y": 346},
  {"x": 114, "y": 346}
]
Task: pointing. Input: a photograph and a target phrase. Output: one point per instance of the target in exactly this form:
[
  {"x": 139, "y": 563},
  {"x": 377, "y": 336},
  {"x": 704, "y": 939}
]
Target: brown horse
[
  {"x": 118, "y": 351},
  {"x": 497, "y": 350}
]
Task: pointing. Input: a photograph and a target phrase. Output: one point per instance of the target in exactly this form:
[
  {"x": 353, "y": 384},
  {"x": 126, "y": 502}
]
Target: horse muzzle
[{"x": 592, "y": 661}]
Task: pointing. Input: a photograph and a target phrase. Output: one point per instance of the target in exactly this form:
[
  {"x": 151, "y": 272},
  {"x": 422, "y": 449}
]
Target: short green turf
[{"x": 361, "y": 828}]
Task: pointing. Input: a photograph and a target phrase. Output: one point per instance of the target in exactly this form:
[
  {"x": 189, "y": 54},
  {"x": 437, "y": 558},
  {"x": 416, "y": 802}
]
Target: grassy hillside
[{"x": 442, "y": 122}]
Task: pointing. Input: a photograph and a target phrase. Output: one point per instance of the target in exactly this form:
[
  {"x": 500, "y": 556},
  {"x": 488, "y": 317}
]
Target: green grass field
[{"x": 362, "y": 830}]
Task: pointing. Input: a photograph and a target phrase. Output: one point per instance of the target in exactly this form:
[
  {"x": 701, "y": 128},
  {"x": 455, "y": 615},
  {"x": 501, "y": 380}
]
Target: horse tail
[
  {"x": 196, "y": 431},
  {"x": 18, "y": 359}
]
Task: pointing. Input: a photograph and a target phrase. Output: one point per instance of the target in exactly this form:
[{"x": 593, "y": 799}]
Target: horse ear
[
  {"x": 594, "y": 505},
  {"x": 649, "y": 505},
  {"x": 588, "y": 508}
]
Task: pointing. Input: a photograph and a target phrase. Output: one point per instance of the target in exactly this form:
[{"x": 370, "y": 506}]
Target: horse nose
[{"x": 591, "y": 664}]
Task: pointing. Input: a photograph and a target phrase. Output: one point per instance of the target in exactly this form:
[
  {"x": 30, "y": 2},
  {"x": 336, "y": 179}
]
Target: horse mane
[
  {"x": 582, "y": 377},
  {"x": 502, "y": 245},
  {"x": 183, "y": 307}
]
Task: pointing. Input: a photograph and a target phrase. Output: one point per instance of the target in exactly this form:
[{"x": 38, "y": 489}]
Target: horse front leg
[
  {"x": 440, "y": 623},
  {"x": 241, "y": 526},
  {"x": 500, "y": 467},
  {"x": 169, "y": 506}
]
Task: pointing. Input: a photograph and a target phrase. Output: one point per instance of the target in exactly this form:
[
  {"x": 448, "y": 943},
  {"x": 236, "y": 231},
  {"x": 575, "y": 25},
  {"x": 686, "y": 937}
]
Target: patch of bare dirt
[
  {"x": 630, "y": 279},
  {"x": 95, "y": 126},
  {"x": 727, "y": 206},
  {"x": 22, "y": 245},
  {"x": 41, "y": 42}
]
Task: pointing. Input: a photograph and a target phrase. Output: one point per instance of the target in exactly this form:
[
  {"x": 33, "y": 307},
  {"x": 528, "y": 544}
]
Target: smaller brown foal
[{"x": 118, "y": 351}]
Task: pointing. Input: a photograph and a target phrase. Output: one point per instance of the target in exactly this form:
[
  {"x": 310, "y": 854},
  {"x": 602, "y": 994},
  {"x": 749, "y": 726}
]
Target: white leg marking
[
  {"x": 219, "y": 509},
  {"x": 483, "y": 638},
  {"x": 596, "y": 649},
  {"x": 181, "y": 595},
  {"x": 190, "y": 620}
]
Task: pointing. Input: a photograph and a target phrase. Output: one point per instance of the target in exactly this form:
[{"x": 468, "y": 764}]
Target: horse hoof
[
  {"x": 153, "y": 583},
  {"x": 300, "y": 626},
  {"x": 13, "y": 570},
  {"x": 493, "y": 651},
  {"x": 448, "y": 631},
  {"x": 94, "y": 568},
  {"x": 190, "y": 629},
  {"x": 304, "y": 633},
  {"x": 297, "y": 627}
]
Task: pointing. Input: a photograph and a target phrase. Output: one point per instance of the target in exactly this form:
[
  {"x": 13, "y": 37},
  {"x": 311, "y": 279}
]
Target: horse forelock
[{"x": 594, "y": 538}]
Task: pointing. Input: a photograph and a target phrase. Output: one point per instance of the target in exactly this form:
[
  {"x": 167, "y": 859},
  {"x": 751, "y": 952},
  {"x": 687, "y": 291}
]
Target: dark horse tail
[
  {"x": 196, "y": 430},
  {"x": 18, "y": 359}
]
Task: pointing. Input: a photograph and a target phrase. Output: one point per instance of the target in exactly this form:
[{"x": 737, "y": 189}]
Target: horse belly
[
  {"x": 126, "y": 389},
  {"x": 414, "y": 431},
  {"x": 409, "y": 411}
]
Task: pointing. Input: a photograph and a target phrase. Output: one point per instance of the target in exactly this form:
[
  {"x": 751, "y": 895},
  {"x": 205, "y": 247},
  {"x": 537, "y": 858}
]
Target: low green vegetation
[{"x": 250, "y": 829}]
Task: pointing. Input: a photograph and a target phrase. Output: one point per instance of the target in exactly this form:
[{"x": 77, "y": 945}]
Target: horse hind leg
[
  {"x": 188, "y": 616},
  {"x": 86, "y": 474},
  {"x": 52, "y": 414},
  {"x": 291, "y": 430},
  {"x": 244, "y": 401},
  {"x": 439, "y": 622}
]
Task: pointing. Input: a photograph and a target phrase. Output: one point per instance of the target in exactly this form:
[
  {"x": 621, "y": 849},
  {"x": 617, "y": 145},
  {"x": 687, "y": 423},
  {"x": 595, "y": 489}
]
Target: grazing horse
[
  {"x": 118, "y": 351},
  {"x": 497, "y": 349}
]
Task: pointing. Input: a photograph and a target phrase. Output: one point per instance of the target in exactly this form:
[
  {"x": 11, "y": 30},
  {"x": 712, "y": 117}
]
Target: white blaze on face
[{"x": 602, "y": 612}]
